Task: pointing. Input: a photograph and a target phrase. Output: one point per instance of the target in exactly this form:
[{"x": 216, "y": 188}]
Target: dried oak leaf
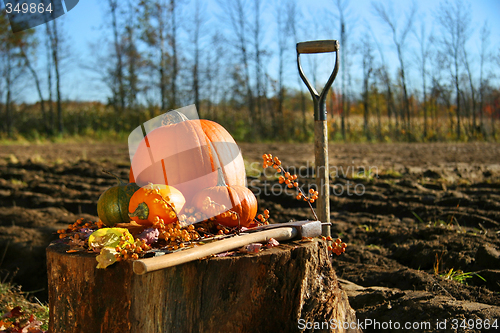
[
  {"x": 251, "y": 248},
  {"x": 106, "y": 257},
  {"x": 14, "y": 313},
  {"x": 33, "y": 326},
  {"x": 272, "y": 243}
]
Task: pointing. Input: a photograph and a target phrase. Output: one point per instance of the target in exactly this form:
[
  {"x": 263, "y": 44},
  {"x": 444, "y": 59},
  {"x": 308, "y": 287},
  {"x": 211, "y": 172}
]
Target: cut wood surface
[{"x": 265, "y": 292}]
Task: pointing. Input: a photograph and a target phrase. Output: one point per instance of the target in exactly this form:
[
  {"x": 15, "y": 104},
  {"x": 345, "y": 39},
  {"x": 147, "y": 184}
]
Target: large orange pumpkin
[
  {"x": 186, "y": 155},
  {"x": 222, "y": 200}
]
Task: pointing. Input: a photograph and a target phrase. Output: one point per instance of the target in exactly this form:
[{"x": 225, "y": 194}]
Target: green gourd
[{"x": 112, "y": 206}]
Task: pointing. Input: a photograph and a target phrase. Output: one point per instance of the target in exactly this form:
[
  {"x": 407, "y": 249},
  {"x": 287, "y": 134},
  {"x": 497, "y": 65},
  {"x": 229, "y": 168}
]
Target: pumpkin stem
[
  {"x": 112, "y": 174},
  {"x": 142, "y": 211},
  {"x": 173, "y": 117},
  {"x": 220, "y": 174},
  {"x": 220, "y": 178}
]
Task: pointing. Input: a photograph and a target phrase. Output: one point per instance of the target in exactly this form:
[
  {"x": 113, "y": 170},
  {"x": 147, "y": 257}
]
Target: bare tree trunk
[
  {"x": 163, "y": 80},
  {"x": 457, "y": 89},
  {"x": 156, "y": 37},
  {"x": 485, "y": 36},
  {"x": 367, "y": 70},
  {"x": 333, "y": 100},
  {"x": 211, "y": 77},
  {"x": 399, "y": 41},
  {"x": 454, "y": 19},
  {"x": 366, "y": 109},
  {"x": 197, "y": 25},
  {"x": 236, "y": 14},
  {"x": 292, "y": 18},
  {"x": 38, "y": 89},
  {"x": 8, "y": 112},
  {"x": 3, "y": 129},
  {"x": 173, "y": 42},
  {"x": 283, "y": 33},
  {"x": 12, "y": 69},
  {"x": 388, "y": 90},
  {"x": 379, "y": 120},
  {"x": 133, "y": 59},
  {"x": 156, "y": 18},
  {"x": 406, "y": 103},
  {"x": 119, "y": 89},
  {"x": 257, "y": 35},
  {"x": 450, "y": 115},
  {"x": 304, "y": 115},
  {"x": 343, "y": 48},
  {"x": 434, "y": 99},
  {"x": 481, "y": 105},
  {"x": 196, "y": 81},
  {"x": 425, "y": 114},
  {"x": 8, "y": 101},
  {"x": 493, "y": 127},
  {"x": 49, "y": 81},
  {"x": 434, "y": 123},
  {"x": 209, "y": 87},
  {"x": 54, "y": 36},
  {"x": 424, "y": 42},
  {"x": 55, "y": 54},
  {"x": 472, "y": 90},
  {"x": 269, "y": 107}
]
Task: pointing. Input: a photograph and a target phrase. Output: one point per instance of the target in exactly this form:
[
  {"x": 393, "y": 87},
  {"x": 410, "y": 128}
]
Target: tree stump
[{"x": 283, "y": 289}]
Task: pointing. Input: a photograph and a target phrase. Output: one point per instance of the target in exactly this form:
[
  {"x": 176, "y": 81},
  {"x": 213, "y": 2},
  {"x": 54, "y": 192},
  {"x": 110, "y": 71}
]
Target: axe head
[{"x": 304, "y": 228}]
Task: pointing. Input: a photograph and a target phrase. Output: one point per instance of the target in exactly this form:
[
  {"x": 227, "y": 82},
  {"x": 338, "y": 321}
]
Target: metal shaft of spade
[{"x": 320, "y": 127}]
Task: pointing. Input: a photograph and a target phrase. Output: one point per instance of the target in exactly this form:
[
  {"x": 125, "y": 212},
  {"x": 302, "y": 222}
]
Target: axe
[{"x": 279, "y": 231}]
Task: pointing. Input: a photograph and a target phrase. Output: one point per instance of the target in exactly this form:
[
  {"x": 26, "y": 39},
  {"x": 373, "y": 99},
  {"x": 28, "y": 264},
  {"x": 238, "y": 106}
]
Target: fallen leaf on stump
[
  {"x": 272, "y": 243},
  {"x": 106, "y": 257},
  {"x": 251, "y": 248},
  {"x": 225, "y": 254}
]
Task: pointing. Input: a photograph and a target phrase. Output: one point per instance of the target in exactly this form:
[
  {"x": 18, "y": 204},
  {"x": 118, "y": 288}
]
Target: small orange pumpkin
[
  {"x": 222, "y": 201},
  {"x": 156, "y": 205}
]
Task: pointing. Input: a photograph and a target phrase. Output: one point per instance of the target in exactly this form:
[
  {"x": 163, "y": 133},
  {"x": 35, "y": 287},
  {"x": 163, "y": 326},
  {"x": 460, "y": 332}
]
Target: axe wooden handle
[{"x": 143, "y": 266}]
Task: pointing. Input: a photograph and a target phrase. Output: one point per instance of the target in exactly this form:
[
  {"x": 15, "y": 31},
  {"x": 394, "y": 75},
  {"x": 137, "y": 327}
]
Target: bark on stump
[{"x": 266, "y": 292}]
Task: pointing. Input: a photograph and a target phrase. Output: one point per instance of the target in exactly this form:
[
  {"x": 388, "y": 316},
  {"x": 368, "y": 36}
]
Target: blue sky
[{"x": 84, "y": 24}]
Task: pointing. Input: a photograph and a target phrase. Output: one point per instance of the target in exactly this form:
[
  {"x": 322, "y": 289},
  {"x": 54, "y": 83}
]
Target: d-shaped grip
[{"x": 318, "y": 46}]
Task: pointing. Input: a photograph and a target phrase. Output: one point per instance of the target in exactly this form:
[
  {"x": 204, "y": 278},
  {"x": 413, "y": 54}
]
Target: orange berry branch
[
  {"x": 338, "y": 247},
  {"x": 263, "y": 219},
  {"x": 213, "y": 209},
  {"x": 290, "y": 181}
]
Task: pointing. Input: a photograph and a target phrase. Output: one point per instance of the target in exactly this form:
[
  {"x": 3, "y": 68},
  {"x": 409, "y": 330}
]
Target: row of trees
[
  {"x": 238, "y": 66},
  {"x": 444, "y": 59},
  {"x": 19, "y": 55}
]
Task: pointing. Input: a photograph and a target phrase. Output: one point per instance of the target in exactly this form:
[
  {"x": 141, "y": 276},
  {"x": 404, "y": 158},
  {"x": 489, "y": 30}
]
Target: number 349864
[
  {"x": 474, "y": 324},
  {"x": 28, "y": 8}
]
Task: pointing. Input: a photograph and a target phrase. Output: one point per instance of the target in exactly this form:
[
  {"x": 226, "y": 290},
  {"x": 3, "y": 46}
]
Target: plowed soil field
[{"x": 422, "y": 221}]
